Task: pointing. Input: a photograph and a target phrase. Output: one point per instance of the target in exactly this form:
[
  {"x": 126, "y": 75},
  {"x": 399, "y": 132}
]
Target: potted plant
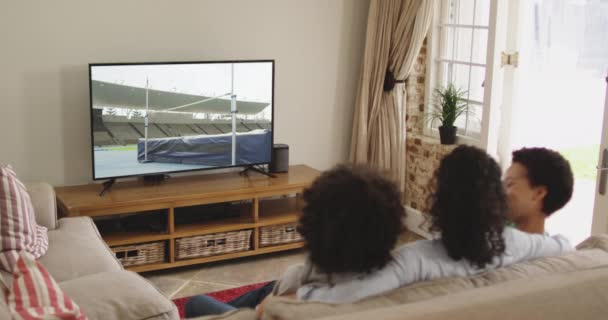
[{"x": 449, "y": 104}]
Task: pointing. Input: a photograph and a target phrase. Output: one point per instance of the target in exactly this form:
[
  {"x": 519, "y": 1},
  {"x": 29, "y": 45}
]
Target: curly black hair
[
  {"x": 550, "y": 169},
  {"x": 351, "y": 220},
  {"x": 469, "y": 206}
]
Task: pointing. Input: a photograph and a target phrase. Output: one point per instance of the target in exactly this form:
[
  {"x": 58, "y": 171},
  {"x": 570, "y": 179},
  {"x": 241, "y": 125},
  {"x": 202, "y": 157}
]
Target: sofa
[
  {"x": 87, "y": 270},
  {"x": 571, "y": 286}
]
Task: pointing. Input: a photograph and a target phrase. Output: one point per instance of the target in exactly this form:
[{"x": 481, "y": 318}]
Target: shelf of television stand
[
  {"x": 271, "y": 212},
  {"x": 235, "y": 255},
  {"x": 279, "y": 211},
  {"x": 271, "y": 199},
  {"x": 126, "y": 237},
  {"x": 202, "y": 228}
]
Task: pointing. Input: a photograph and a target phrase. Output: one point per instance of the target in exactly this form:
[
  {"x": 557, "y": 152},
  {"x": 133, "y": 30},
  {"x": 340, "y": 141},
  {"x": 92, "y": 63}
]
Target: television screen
[{"x": 156, "y": 118}]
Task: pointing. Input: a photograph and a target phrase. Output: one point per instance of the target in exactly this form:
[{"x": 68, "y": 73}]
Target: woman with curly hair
[
  {"x": 469, "y": 206},
  {"x": 468, "y": 211},
  {"x": 350, "y": 222}
]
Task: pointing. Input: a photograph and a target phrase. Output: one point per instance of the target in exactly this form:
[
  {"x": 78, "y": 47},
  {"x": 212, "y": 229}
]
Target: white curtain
[{"x": 396, "y": 30}]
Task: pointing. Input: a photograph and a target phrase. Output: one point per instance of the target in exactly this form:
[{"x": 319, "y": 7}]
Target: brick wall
[
  {"x": 423, "y": 153},
  {"x": 423, "y": 156}
]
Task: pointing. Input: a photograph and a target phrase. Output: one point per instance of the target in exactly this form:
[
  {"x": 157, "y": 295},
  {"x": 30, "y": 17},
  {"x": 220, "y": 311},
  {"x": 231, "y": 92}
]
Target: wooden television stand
[{"x": 255, "y": 201}]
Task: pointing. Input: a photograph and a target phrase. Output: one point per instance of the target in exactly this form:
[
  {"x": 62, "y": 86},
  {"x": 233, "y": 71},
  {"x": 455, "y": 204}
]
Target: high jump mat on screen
[{"x": 210, "y": 150}]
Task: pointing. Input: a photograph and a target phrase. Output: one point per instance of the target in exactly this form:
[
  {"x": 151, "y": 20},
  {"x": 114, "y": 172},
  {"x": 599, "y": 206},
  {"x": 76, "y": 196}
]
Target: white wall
[{"x": 45, "y": 48}]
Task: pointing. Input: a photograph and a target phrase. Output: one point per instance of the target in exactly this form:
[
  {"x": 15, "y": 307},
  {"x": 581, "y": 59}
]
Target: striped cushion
[
  {"x": 35, "y": 295},
  {"x": 18, "y": 228}
]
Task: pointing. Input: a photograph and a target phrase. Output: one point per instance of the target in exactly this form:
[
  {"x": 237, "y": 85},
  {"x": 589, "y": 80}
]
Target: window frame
[{"x": 437, "y": 35}]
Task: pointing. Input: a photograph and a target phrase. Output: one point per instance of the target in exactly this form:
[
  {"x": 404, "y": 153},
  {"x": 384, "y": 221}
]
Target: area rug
[{"x": 224, "y": 295}]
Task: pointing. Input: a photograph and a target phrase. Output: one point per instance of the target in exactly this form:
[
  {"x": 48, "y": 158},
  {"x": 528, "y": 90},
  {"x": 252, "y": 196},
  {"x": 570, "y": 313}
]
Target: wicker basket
[
  {"x": 212, "y": 244},
  {"x": 285, "y": 233},
  {"x": 145, "y": 253}
]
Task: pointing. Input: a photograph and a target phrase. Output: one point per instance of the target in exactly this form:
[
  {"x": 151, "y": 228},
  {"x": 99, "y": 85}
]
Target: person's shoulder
[
  {"x": 510, "y": 231},
  {"x": 514, "y": 233},
  {"x": 418, "y": 249},
  {"x": 513, "y": 236},
  {"x": 415, "y": 245},
  {"x": 517, "y": 238}
]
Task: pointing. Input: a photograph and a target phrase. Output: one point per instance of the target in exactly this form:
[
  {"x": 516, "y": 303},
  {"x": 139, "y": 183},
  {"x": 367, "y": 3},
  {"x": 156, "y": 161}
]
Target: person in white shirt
[{"x": 468, "y": 210}]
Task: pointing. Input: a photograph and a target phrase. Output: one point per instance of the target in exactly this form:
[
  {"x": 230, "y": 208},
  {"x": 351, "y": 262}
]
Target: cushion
[
  {"x": 120, "y": 295},
  {"x": 18, "y": 228},
  {"x": 35, "y": 295},
  {"x": 76, "y": 249},
  {"x": 8, "y": 278},
  {"x": 597, "y": 241},
  {"x": 4, "y": 311},
  {"x": 44, "y": 202},
  {"x": 592, "y": 257}
]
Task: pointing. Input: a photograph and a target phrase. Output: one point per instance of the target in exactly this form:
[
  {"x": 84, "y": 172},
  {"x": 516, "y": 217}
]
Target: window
[{"x": 458, "y": 50}]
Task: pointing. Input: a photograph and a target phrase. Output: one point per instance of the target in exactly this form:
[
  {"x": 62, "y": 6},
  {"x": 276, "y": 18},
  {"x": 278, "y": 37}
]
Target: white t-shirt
[{"x": 427, "y": 260}]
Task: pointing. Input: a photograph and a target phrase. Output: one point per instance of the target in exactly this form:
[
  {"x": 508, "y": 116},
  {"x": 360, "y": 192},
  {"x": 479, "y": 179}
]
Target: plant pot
[{"x": 447, "y": 135}]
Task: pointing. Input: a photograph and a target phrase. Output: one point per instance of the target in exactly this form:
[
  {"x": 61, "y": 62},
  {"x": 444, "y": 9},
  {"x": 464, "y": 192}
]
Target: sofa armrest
[
  {"x": 44, "y": 202},
  {"x": 123, "y": 295}
]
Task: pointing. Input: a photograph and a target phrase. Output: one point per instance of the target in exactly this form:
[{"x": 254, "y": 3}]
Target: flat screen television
[{"x": 165, "y": 117}]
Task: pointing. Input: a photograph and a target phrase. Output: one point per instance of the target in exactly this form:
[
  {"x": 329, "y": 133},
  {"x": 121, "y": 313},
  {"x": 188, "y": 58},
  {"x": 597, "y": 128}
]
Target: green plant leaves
[{"x": 449, "y": 103}]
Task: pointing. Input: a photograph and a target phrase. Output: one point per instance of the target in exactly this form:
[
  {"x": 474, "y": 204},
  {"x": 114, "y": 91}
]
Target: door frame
[{"x": 600, "y": 208}]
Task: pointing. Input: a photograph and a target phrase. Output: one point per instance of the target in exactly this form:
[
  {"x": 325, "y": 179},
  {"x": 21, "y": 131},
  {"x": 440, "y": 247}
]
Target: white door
[
  {"x": 555, "y": 98},
  {"x": 495, "y": 73},
  {"x": 600, "y": 212}
]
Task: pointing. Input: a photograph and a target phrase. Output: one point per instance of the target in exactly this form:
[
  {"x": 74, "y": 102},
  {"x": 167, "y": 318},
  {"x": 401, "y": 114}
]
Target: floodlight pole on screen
[
  {"x": 233, "y": 111},
  {"x": 146, "y": 125}
]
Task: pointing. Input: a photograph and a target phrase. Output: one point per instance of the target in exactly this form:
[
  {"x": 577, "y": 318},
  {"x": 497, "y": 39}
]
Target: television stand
[
  {"x": 256, "y": 169},
  {"x": 106, "y": 186},
  {"x": 177, "y": 223}
]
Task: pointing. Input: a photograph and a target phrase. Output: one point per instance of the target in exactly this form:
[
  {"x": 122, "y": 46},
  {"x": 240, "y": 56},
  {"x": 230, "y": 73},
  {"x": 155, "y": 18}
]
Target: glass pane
[
  {"x": 444, "y": 70},
  {"x": 461, "y": 12},
  {"x": 480, "y": 46},
  {"x": 460, "y": 77},
  {"x": 482, "y": 13},
  {"x": 477, "y": 83},
  {"x": 460, "y": 123},
  {"x": 473, "y": 120},
  {"x": 458, "y": 44}
]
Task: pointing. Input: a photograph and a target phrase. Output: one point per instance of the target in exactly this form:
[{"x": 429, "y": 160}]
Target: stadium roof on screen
[{"x": 113, "y": 95}]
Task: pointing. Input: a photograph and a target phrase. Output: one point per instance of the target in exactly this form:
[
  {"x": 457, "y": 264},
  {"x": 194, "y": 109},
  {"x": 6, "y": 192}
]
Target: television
[{"x": 166, "y": 117}]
